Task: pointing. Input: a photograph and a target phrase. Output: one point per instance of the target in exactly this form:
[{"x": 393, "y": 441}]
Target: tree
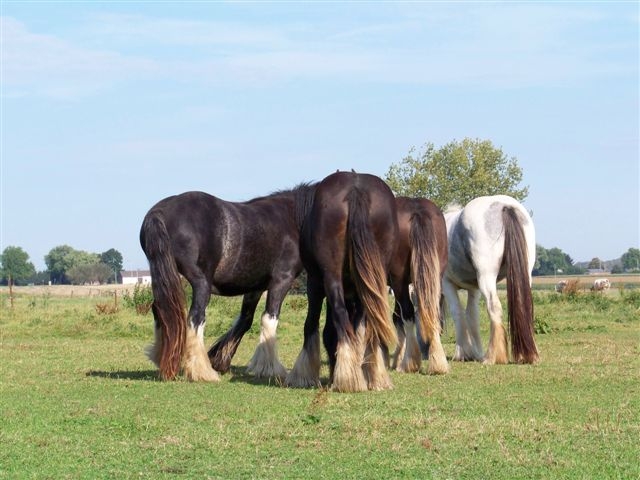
[
  {"x": 113, "y": 259},
  {"x": 89, "y": 274},
  {"x": 62, "y": 258},
  {"x": 631, "y": 259},
  {"x": 15, "y": 265},
  {"x": 595, "y": 263},
  {"x": 457, "y": 173},
  {"x": 40, "y": 278},
  {"x": 554, "y": 261}
]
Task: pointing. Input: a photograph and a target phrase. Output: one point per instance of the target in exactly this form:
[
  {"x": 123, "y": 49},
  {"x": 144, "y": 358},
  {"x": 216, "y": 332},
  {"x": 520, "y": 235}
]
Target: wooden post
[{"x": 11, "y": 290}]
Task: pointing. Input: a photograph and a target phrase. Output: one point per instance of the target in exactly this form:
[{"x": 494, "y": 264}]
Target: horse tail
[
  {"x": 519, "y": 298},
  {"x": 169, "y": 303},
  {"x": 425, "y": 276},
  {"x": 368, "y": 270}
]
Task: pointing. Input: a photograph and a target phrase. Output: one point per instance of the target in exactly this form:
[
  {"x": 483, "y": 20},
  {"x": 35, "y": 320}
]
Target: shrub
[
  {"x": 106, "y": 309},
  {"x": 572, "y": 288},
  {"x": 141, "y": 299},
  {"x": 541, "y": 324},
  {"x": 630, "y": 297}
]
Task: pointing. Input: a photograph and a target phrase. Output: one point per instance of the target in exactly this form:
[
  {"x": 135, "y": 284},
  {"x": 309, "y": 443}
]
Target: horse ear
[{"x": 353, "y": 170}]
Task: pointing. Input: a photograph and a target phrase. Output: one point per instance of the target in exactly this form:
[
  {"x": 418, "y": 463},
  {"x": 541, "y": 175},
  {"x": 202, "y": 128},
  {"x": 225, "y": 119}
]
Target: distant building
[
  {"x": 131, "y": 277},
  {"x": 596, "y": 271}
]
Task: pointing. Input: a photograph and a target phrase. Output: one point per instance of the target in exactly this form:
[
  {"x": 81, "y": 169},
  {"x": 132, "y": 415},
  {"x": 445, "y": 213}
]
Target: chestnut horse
[
  {"x": 225, "y": 248},
  {"x": 420, "y": 260}
]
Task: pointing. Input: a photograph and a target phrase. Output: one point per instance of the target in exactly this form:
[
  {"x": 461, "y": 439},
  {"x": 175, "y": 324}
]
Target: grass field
[{"x": 78, "y": 399}]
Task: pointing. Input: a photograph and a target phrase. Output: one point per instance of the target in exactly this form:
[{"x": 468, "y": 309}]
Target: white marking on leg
[
  {"x": 265, "y": 362},
  {"x": 195, "y": 361},
  {"x": 306, "y": 371},
  {"x": 497, "y": 350},
  {"x": 437, "y": 359},
  {"x": 374, "y": 369},
  {"x": 348, "y": 375},
  {"x": 412, "y": 357}
]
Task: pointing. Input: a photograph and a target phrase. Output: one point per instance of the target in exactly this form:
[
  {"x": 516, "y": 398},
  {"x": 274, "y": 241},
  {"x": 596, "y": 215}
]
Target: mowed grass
[{"x": 78, "y": 399}]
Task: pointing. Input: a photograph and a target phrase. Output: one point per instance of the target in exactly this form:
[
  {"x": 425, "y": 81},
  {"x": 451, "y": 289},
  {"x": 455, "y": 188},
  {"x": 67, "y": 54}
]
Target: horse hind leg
[
  {"x": 463, "y": 342},
  {"x": 399, "y": 352},
  {"x": 306, "y": 369},
  {"x": 374, "y": 368},
  {"x": 195, "y": 361},
  {"x": 473, "y": 349},
  {"x": 412, "y": 357},
  {"x": 347, "y": 374},
  {"x": 497, "y": 350}
]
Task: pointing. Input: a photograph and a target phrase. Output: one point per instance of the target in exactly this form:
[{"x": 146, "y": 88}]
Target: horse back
[
  {"x": 476, "y": 239},
  {"x": 236, "y": 245}
]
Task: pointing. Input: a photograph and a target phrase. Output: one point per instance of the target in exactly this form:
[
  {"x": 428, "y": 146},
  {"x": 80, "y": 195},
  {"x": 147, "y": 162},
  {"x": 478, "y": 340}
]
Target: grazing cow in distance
[{"x": 600, "y": 285}]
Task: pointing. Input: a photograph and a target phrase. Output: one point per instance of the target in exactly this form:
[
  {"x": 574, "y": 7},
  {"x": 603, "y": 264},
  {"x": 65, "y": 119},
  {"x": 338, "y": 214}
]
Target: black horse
[
  {"x": 420, "y": 260},
  {"x": 224, "y": 248},
  {"x": 348, "y": 242}
]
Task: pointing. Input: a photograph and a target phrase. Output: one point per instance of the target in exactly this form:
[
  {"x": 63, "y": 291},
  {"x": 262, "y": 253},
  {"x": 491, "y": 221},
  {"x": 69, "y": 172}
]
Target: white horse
[{"x": 490, "y": 239}]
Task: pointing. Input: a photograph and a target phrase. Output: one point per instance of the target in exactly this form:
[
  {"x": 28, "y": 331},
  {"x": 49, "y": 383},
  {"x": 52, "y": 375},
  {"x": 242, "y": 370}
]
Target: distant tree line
[{"x": 65, "y": 265}]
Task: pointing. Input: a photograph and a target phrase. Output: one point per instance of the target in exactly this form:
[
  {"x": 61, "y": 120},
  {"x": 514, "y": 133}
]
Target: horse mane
[{"x": 302, "y": 193}]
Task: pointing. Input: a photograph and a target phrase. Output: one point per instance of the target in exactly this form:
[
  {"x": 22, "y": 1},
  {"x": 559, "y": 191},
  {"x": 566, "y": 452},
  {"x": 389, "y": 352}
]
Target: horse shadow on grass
[
  {"x": 240, "y": 374},
  {"x": 139, "y": 375},
  {"x": 237, "y": 374}
]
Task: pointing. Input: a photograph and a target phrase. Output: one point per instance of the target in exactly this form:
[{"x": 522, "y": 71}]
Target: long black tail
[
  {"x": 519, "y": 298},
  {"x": 369, "y": 273},
  {"x": 169, "y": 303}
]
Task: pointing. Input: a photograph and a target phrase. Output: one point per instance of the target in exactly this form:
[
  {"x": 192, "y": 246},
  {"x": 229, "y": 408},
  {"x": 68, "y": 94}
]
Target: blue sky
[{"x": 107, "y": 107}]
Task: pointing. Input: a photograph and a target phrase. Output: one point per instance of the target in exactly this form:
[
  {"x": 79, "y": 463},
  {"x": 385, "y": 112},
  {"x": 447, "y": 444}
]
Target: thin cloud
[
  {"x": 47, "y": 65},
  {"x": 506, "y": 46}
]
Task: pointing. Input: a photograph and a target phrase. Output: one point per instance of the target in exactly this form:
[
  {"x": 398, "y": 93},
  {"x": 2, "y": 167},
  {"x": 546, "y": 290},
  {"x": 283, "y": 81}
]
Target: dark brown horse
[
  {"x": 224, "y": 248},
  {"x": 420, "y": 260},
  {"x": 349, "y": 239}
]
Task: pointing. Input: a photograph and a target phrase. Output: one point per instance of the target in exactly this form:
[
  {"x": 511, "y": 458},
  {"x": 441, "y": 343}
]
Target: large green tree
[
  {"x": 15, "y": 266},
  {"x": 554, "y": 261},
  {"x": 89, "y": 274},
  {"x": 113, "y": 259},
  {"x": 457, "y": 173},
  {"x": 631, "y": 259},
  {"x": 62, "y": 258}
]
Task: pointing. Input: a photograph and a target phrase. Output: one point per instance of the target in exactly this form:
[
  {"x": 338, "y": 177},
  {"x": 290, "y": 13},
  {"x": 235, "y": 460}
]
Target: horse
[
  {"x": 224, "y": 248},
  {"x": 348, "y": 241},
  {"x": 420, "y": 261},
  {"x": 491, "y": 238}
]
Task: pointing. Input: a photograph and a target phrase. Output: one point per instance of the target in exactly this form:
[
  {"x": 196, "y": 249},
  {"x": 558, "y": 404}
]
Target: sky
[{"x": 108, "y": 107}]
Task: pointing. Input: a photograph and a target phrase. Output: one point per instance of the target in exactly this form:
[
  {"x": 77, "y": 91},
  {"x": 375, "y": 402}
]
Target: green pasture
[{"x": 78, "y": 399}]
